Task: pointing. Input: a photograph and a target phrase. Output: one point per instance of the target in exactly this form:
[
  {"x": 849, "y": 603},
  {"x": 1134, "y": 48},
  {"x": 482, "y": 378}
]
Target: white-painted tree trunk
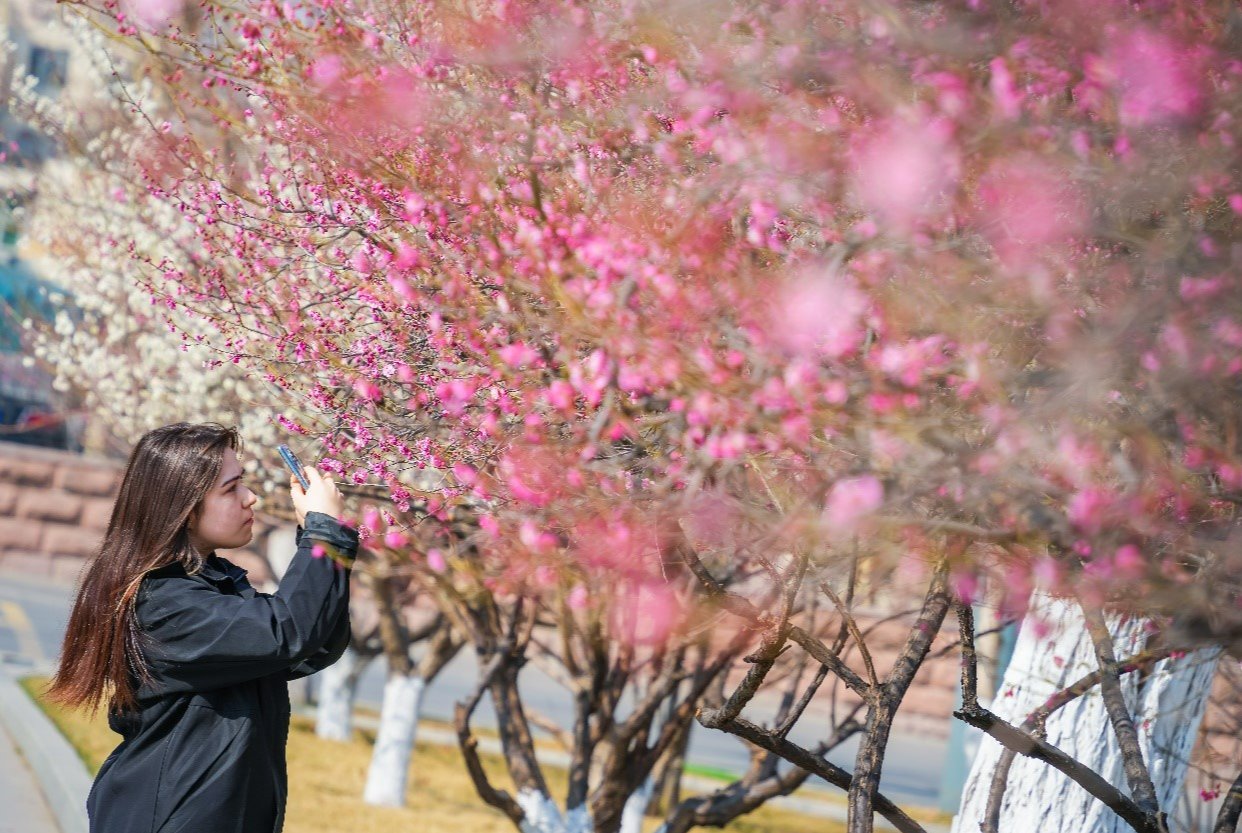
[
  {"x": 635, "y": 808},
  {"x": 338, "y": 686},
  {"x": 1167, "y": 706},
  {"x": 394, "y": 744},
  {"x": 543, "y": 816}
]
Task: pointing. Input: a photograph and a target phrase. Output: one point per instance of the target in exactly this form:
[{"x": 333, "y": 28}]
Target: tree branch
[
  {"x": 1023, "y": 743},
  {"x": 816, "y": 765},
  {"x": 1231, "y": 809},
  {"x": 742, "y": 608},
  {"x": 1137, "y": 773},
  {"x": 462, "y": 712}
]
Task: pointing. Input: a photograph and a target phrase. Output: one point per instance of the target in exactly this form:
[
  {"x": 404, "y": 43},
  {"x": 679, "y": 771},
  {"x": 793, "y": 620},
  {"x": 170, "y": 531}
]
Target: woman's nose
[{"x": 252, "y": 500}]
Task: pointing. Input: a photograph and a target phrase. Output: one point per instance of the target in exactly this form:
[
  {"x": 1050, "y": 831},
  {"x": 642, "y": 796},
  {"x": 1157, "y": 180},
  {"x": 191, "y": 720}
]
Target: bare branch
[
  {"x": 500, "y": 799},
  {"x": 1137, "y": 773},
  {"x": 1037, "y": 719},
  {"x": 816, "y": 765},
  {"x": 1231, "y": 809},
  {"x": 870, "y": 758},
  {"x": 851, "y": 624},
  {"x": 744, "y": 609},
  {"x": 1024, "y": 743}
]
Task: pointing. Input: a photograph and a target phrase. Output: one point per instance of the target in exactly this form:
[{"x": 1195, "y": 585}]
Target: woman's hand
[{"x": 320, "y": 496}]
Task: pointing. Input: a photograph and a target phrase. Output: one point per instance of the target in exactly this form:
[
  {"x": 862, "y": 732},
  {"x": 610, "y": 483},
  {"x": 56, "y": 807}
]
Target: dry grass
[{"x": 326, "y": 779}]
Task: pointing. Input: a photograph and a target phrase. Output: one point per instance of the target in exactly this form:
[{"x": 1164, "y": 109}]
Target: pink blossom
[
  {"x": 407, "y": 257},
  {"x": 466, "y": 474},
  {"x": 560, "y": 395},
  {"x": 368, "y": 391},
  {"x": 1230, "y": 474},
  {"x": 1157, "y": 80},
  {"x": 153, "y": 14},
  {"x": 518, "y": 354},
  {"x": 535, "y": 539},
  {"x": 1196, "y": 289},
  {"x": 850, "y": 501},
  {"x": 1128, "y": 562},
  {"x": 402, "y": 288},
  {"x": 436, "y": 561},
  {"x": 647, "y": 614},
  {"x": 455, "y": 395},
  {"x": 327, "y": 70},
  {"x": 1008, "y": 99},
  {"x": 964, "y": 585},
  {"x": 1087, "y": 509},
  {"x": 577, "y": 599},
  {"x": 819, "y": 315},
  {"x": 1026, "y": 206},
  {"x": 905, "y": 168}
]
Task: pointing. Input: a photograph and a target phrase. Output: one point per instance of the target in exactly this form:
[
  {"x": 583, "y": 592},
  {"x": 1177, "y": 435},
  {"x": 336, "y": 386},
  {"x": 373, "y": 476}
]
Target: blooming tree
[
  {"x": 658, "y": 321},
  {"x": 136, "y": 360}
]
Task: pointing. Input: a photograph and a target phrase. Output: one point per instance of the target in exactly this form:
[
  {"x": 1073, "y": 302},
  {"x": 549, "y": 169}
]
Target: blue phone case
[{"x": 294, "y": 464}]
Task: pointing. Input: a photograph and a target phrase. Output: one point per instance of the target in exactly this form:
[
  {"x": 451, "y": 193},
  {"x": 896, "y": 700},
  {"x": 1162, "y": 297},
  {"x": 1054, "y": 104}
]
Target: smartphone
[{"x": 294, "y": 464}]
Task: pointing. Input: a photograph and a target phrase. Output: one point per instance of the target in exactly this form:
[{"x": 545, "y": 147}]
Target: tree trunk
[
  {"x": 338, "y": 687},
  {"x": 1167, "y": 705},
  {"x": 666, "y": 793},
  {"x": 543, "y": 816},
  {"x": 390, "y": 762},
  {"x": 636, "y": 808}
]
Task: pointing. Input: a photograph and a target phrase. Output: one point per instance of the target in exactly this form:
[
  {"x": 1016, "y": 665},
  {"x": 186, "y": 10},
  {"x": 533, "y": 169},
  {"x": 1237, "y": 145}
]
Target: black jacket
[{"x": 205, "y": 752}]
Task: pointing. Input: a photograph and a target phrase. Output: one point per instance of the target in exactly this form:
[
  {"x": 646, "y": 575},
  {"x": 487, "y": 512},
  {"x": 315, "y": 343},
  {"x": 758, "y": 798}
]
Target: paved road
[
  {"x": 912, "y": 767},
  {"x": 33, "y": 615}
]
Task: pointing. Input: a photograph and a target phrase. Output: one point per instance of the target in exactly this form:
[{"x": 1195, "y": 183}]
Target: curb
[{"x": 56, "y": 766}]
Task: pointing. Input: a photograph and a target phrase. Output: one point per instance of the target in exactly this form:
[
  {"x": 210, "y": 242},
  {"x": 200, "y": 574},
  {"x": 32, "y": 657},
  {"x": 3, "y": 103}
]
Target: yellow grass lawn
[{"x": 326, "y": 779}]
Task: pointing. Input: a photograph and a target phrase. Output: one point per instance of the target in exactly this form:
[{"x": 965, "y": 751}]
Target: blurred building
[
  {"x": 40, "y": 49},
  {"x": 35, "y": 47}
]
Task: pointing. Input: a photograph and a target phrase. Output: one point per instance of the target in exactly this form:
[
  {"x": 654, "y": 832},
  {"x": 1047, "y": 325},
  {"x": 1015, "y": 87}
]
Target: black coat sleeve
[
  {"x": 331, "y": 651},
  {"x": 199, "y": 639},
  {"x": 328, "y": 654}
]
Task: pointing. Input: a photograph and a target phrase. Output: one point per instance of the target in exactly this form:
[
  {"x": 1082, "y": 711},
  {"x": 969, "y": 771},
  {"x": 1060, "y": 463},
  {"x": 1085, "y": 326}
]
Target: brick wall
[{"x": 55, "y": 506}]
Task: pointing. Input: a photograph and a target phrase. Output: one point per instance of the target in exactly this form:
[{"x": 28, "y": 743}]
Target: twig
[{"x": 851, "y": 625}]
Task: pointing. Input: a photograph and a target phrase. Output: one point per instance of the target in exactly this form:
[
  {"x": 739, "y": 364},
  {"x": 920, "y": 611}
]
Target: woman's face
[{"x": 225, "y": 518}]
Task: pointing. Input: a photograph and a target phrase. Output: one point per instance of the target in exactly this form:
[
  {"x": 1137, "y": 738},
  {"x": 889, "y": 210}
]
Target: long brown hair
[{"x": 169, "y": 472}]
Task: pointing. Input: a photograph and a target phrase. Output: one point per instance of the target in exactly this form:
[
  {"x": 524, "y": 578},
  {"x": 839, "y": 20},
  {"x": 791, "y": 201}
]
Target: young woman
[{"x": 192, "y": 661}]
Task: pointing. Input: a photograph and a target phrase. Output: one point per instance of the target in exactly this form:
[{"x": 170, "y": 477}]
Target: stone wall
[{"x": 55, "y": 506}]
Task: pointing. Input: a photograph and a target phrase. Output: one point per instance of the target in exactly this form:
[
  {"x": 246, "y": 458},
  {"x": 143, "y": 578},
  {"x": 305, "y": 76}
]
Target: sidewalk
[
  {"x": 25, "y": 810},
  {"x": 43, "y": 782}
]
